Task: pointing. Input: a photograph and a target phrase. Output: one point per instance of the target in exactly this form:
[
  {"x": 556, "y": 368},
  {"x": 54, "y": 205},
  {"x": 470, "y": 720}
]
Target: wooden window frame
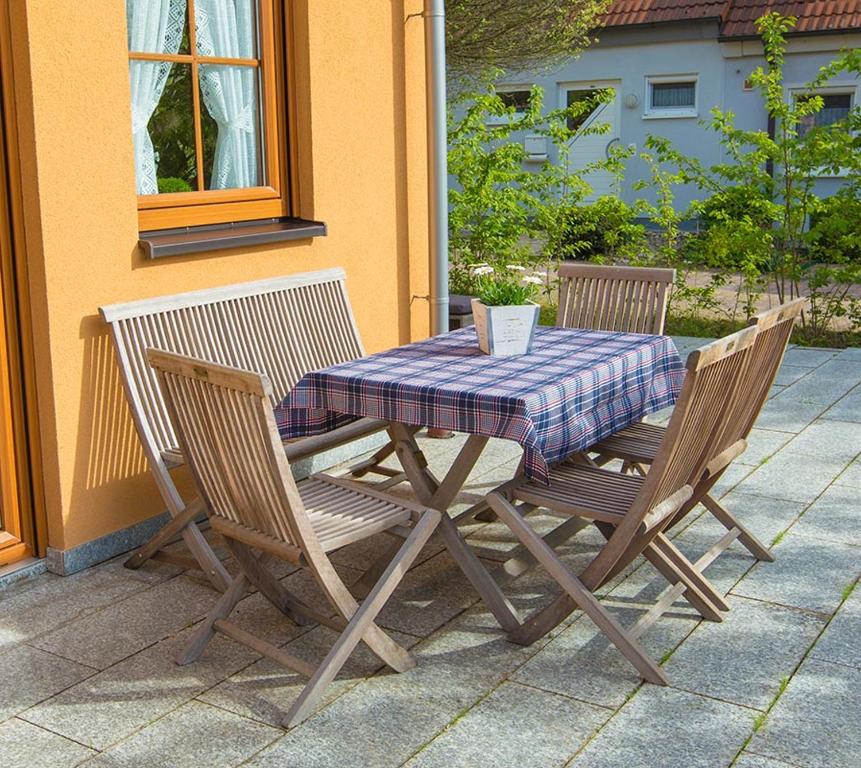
[{"x": 201, "y": 207}]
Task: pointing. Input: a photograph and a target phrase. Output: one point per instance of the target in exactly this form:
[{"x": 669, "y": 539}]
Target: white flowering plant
[{"x": 505, "y": 286}]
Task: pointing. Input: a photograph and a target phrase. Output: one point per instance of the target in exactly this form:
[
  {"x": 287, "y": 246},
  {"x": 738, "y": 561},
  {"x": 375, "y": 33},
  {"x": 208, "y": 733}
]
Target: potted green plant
[{"x": 505, "y": 315}]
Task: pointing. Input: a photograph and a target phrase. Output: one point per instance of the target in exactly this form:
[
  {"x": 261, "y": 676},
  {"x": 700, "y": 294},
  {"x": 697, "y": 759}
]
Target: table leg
[{"x": 440, "y": 496}]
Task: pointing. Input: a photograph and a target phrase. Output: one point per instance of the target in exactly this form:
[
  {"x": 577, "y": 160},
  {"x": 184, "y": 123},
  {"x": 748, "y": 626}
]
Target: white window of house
[
  {"x": 674, "y": 96},
  {"x": 836, "y": 106}
]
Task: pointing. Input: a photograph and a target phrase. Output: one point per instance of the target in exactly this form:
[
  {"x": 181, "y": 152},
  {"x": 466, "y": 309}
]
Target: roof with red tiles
[{"x": 737, "y": 17}]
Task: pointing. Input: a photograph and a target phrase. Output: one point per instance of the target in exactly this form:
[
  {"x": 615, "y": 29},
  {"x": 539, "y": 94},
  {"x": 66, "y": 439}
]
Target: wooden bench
[{"x": 283, "y": 327}]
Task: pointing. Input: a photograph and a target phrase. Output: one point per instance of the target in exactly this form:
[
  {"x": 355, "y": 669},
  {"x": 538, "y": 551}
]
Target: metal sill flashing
[{"x": 181, "y": 241}]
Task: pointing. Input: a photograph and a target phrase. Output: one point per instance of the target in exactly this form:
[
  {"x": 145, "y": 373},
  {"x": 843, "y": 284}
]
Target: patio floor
[{"x": 88, "y": 678}]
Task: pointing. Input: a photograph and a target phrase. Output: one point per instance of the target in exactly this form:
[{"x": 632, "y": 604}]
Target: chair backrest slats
[
  {"x": 226, "y": 429},
  {"x": 610, "y": 298},
  {"x": 714, "y": 374},
  {"x": 284, "y": 328}
]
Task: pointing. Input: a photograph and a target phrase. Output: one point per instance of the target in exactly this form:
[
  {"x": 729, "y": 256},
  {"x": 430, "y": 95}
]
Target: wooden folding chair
[
  {"x": 637, "y": 445},
  {"x": 283, "y": 327},
  {"x": 226, "y": 428},
  {"x": 632, "y": 511},
  {"x": 604, "y": 298}
]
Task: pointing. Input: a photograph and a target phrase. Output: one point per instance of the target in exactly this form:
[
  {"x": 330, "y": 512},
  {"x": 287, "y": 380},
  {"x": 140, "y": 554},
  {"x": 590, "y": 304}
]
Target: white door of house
[{"x": 586, "y": 148}]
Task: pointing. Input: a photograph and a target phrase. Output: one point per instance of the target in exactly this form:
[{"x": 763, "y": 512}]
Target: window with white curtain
[
  {"x": 671, "y": 96},
  {"x": 836, "y": 106},
  {"x": 207, "y": 109}
]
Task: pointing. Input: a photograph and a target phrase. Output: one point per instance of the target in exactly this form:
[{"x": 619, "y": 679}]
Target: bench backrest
[{"x": 282, "y": 327}]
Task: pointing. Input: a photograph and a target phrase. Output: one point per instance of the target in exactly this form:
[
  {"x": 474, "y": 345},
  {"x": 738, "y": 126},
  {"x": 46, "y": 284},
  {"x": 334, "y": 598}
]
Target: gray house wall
[{"x": 631, "y": 55}]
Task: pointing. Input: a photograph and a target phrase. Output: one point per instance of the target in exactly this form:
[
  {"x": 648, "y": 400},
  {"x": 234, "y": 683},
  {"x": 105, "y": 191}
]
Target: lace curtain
[
  {"x": 227, "y": 28},
  {"x": 154, "y": 26}
]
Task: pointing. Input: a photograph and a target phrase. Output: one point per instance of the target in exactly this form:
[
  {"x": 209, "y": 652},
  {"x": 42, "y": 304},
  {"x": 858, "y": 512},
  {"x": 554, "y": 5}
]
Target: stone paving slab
[
  {"x": 838, "y": 440},
  {"x": 808, "y": 358},
  {"x": 750, "y": 760},
  {"x": 126, "y": 627},
  {"x": 789, "y": 374},
  {"x": 193, "y": 736},
  {"x": 807, "y": 573},
  {"x": 761, "y": 444},
  {"x": 739, "y": 659},
  {"x": 669, "y": 728},
  {"x": 26, "y": 613},
  {"x": 125, "y": 697},
  {"x": 265, "y": 691},
  {"x": 848, "y": 408},
  {"x": 515, "y": 725},
  {"x": 851, "y": 475},
  {"x": 28, "y": 676},
  {"x": 815, "y": 723},
  {"x": 841, "y": 641},
  {"x": 25, "y": 746},
  {"x": 793, "y": 477},
  {"x": 834, "y": 516}
]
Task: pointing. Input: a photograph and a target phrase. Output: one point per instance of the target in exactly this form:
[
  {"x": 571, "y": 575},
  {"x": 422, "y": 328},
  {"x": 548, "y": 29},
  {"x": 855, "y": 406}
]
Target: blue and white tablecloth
[{"x": 573, "y": 389}]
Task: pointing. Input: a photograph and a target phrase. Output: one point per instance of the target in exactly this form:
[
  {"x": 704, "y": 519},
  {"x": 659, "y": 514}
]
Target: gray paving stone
[
  {"x": 25, "y": 746},
  {"x": 850, "y": 353},
  {"x": 125, "y": 697},
  {"x": 515, "y": 725},
  {"x": 28, "y": 676},
  {"x": 815, "y": 723},
  {"x": 761, "y": 444},
  {"x": 734, "y": 474},
  {"x": 789, "y": 374},
  {"x": 750, "y": 760},
  {"x": 850, "y": 476},
  {"x": 807, "y": 573},
  {"x": 384, "y": 720},
  {"x": 665, "y": 727},
  {"x": 826, "y": 384},
  {"x": 429, "y": 596},
  {"x": 26, "y": 613},
  {"x": 847, "y": 408},
  {"x": 829, "y": 439},
  {"x": 764, "y": 517},
  {"x": 738, "y": 660},
  {"x": 789, "y": 414},
  {"x": 792, "y": 477},
  {"x": 124, "y": 628},
  {"x": 582, "y": 663},
  {"x": 192, "y": 736},
  {"x": 834, "y": 516},
  {"x": 808, "y": 358},
  {"x": 265, "y": 690},
  {"x": 841, "y": 641}
]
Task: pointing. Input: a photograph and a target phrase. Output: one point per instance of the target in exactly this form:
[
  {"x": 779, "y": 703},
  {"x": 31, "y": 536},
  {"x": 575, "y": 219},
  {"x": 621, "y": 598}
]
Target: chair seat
[
  {"x": 341, "y": 513},
  {"x": 583, "y": 491},
  {"x": 638, "y": 443}
]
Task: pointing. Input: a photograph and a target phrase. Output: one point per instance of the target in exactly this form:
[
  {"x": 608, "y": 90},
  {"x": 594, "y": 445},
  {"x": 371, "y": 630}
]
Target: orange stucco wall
[{"x": 362, "y": 169}]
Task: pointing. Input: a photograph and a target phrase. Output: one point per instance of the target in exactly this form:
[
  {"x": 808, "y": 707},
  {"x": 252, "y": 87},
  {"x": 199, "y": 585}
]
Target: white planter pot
[{"x": 505, "y": 331}]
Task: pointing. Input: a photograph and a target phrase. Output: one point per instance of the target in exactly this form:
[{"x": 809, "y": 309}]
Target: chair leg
[
  {"x": 520, "y": 562},
  {"x": 362, "y": 620},
  {"x": 226, "y": 603},
  {"x": 729, "y": 521},
  {"x": 577, "y": 592},
  {"x": 691, "y": 574},
  {"x": 268, "y": 585}
]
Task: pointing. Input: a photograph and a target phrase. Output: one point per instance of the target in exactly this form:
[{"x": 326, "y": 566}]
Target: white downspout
[{"x": 435, "y": 83}]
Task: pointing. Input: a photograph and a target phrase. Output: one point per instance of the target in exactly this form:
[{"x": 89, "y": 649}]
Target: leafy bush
[
  {"x": 173, "y": 184},
  {"x": 603, "y": 231},
  {"x": 834, "y": 236},
  {"x": 732, "y": 204}
]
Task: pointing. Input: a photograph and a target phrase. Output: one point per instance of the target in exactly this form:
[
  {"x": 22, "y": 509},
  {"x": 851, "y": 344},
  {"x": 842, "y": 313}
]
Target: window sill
[
  {"x": 669, "y": 114},
  {"x": 181, "y": 241}
]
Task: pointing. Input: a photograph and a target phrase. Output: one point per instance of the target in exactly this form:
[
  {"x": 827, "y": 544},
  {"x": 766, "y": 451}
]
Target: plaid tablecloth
[{"x": 574, "y": 388}]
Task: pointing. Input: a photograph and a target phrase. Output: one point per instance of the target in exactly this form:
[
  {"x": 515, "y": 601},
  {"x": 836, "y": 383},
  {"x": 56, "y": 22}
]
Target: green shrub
[
  {"x": 834, "y": 236},
  {"x": 602, "y": 231},
  {"x": 173, "y": 184}
]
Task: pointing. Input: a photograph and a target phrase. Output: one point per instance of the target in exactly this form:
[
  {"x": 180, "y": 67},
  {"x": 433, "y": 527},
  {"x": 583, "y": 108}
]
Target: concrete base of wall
[{"x": 67, "y": 561}]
